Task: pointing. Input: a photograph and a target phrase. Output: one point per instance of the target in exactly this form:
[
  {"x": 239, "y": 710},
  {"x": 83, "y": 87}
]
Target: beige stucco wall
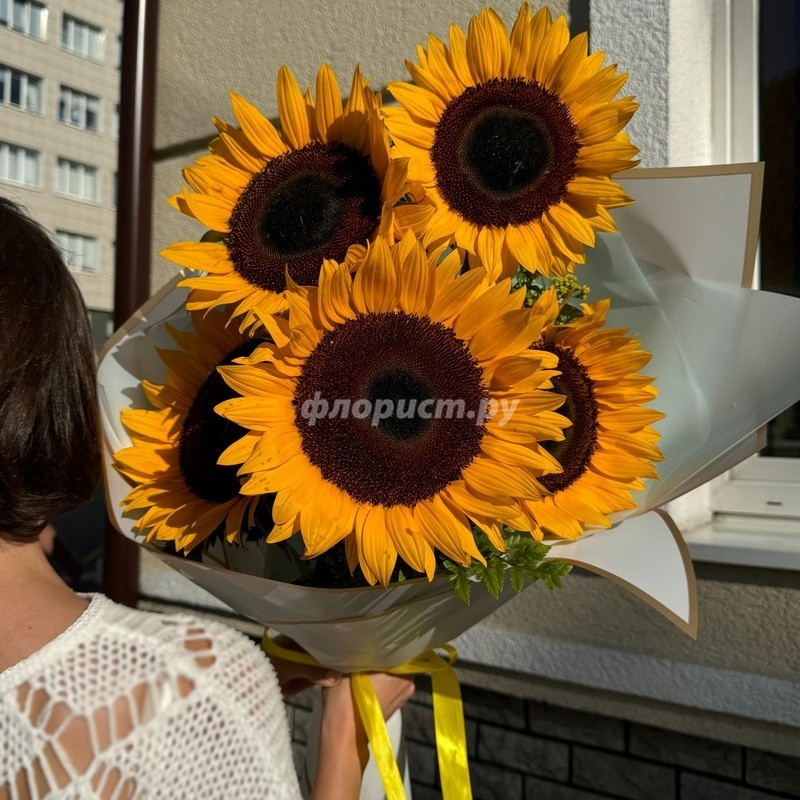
[
  {"x": 747, "y": 652},
  {"x": 203, "y": 54},
  {"x": 207, "y": 49}
]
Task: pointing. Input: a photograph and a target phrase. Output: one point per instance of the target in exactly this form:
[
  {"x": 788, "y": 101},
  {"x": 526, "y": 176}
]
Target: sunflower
[
  {"x": 515, "y": 139},
  {"x": 185, "y": 495},
  {"x": 277, "y": 201},
  {"x": 442, "y": 351},
  {"x": 611, "y": 446}
]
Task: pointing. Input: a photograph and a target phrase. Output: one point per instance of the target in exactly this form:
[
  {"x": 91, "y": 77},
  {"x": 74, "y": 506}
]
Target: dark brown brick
[
  {"x": 418, "y": 722},
  {"x": 704, "y": 755},
  {"x": 537, "y": 789},
  {"x": 422, "y": 763},
  {"x": 621, "y": 776},
  {"x": 771, "y": 771},
  {"x": 523, "y": 752},
  {"x": 509, "y": 712},
  {"x": 702, "y": 787},
  {"x": 418, "y": 725},
  {"x": 494, "y": 783},
  {"x": 576, "y": 726},
  {"x": 421, "y": 792}
]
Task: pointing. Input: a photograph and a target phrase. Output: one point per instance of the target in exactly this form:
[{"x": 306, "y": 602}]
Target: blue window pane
[
  {"x": 16, "y": 89},
  {"x": 19, "y": 16}
]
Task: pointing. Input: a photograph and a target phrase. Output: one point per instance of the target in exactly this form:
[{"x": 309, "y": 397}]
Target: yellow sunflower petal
[
  {"x": 376, "y": 553},
  {"x": 553, "y": 44},
  {"x": 417, "y": 277},
  {"x": 375, "y": 284},
  {"x": 457, "y": 56},
  {"x": 418, "y": 102},
  {"x": 322, "y": 522},
  {"x": 412, "y": 547},
  {"x": 446, "y": 532},
  {"x": 258, "y": 129},
  {"x": 213, "y": 212},
  {"x": 329, "y": 101},
  {"x": 568, "y": 63},
  {"x": 292, "y": 108},
  {"x": 157, "y": 426},
  {"x": 453, "y": 295},
  {"x": 488, "y": 47},
  {"x": 237, "y": 148}
]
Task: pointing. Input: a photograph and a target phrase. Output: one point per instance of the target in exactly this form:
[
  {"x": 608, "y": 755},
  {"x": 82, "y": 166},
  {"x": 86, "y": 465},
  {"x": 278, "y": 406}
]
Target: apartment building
[{"x": 59, "y": 125}]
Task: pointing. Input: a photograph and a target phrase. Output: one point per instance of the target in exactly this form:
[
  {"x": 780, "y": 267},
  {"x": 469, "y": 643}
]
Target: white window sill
[{"x": 748, "y": 541}]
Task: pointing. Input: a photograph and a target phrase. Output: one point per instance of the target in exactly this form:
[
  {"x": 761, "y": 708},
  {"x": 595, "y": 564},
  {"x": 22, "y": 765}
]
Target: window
[
  {"x": 118, "y": 52},
  {"x": 79, "y": 109},
  {"x": 763, "y": 69},
  {"x": 20, "y": 90},
  {"x": 115, "y": 122},
  {"x": 775, "y": 81},
  {"x": 24, "y": 16},
  {"x": 114, "y": 189},
  {"x": 19, "y": 164},
  {"x": 102, "y": 323},
  {"x": 80, "y": 252},
  {"x": 77, "y": 180},
  {"x": 779, "y": 83},
  {"x": 81, "y": 38}
]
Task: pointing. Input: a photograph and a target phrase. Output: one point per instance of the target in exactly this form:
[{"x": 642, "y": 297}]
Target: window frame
[
  {"x": 69, "y": 251},
  {"x": 5, "y": 148},
  {"x": 27, "y": 5},
  {"x": 83, "y": 100},
  {"x": 85, "y": 170},
  {"x": 762, "y": 486},
  {"x": 68, "y": 47},
  {"x": 24, "y": 89}
]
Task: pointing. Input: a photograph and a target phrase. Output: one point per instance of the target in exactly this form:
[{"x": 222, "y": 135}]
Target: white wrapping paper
[{"x": 723, "y": 359}]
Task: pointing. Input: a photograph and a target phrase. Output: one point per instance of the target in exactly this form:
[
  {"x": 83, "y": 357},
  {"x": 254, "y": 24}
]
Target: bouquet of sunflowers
[{"x": 377, "y": 399}]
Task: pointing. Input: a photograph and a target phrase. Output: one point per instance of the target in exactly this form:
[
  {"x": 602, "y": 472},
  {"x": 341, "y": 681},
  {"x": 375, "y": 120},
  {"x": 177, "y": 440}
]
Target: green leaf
[
  {"x": 523, "y": 557},
  {"x": 492, "y": 576},
  {"x": 462, "y": 584},
  {"x": 517, "y": 578}
]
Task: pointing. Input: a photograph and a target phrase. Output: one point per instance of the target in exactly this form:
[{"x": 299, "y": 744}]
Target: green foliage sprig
[
  {"x": 522, "y": 560},
  {"x": 568, "y": 291}
]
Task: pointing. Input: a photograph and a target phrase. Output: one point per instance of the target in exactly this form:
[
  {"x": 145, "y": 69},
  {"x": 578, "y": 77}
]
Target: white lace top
[{"x": 125, "y": 704}]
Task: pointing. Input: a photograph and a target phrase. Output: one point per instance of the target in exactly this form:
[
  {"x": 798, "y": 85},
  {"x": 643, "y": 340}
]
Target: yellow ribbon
[{"x": 448, "y": 718}]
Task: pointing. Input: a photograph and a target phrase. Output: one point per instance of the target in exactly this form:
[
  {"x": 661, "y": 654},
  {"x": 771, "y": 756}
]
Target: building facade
[{"x": 59, "y": 125}]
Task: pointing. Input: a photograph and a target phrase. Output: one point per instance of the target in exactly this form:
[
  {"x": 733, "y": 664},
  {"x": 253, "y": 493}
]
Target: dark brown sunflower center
[
  {"x": 405, "y": 392},
  {"x": 205, "y": 435},
  {"x": 504, "y": 152},
  {"x": 575, "y": 452},
  {"x": 305, "y": 206},
  {"x": 389, "y": 407}
]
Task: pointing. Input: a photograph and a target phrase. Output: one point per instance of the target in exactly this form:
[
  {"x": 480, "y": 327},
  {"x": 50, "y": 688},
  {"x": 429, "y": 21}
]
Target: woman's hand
[
  {"x": 294, "y": 677},
  {"x": 392, "y": 691},
  {"x": 343, "y": 749}
]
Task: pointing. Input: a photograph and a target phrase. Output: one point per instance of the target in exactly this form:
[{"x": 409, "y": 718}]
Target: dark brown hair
[{"x": 49, "y": 435}]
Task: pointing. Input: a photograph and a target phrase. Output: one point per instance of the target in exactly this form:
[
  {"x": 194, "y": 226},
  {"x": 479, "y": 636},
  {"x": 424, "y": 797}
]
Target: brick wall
[{"x": 524, "y": 750}]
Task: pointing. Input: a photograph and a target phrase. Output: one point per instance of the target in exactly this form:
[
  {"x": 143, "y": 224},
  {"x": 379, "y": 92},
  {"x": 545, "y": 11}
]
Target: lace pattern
[{"x": 126, "y": 705}]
